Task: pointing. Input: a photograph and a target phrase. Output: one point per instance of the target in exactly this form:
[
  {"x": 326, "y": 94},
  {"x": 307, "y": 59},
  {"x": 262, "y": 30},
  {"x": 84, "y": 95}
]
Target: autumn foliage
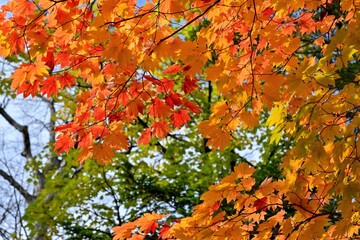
[{"x": 143, "y": 64}]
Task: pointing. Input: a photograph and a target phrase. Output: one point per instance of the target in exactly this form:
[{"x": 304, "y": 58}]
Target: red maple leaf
[
  {"x": 63, "y": 143},
  {"x": 49, "y": 87},
  {"x": 164, "y": 231},
  {"x": 192, "y": 106},
  {"x": 189, "y": 85},
  {"x": 173, "y": 69},
  {"x": 166, "y": 85},
  {"x": 180, "y": 118},
  {"x": 86, "y": 141},
  {"x": 261, "y": 203},
  {"x": 173, "y": 99},
  {"x": 158, "y": 109},
  {"x": 268, "y": 12},
  {"x": 160, "y": 129},
  {"x": 29, "y": 89},
  {"x": 49, "y": 60},
  {"x": 66, "y": 80},
  {"x": 145, "y": 137}
]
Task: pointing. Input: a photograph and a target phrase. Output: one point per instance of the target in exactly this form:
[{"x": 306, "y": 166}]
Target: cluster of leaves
[{"x": 145, "y": 65}]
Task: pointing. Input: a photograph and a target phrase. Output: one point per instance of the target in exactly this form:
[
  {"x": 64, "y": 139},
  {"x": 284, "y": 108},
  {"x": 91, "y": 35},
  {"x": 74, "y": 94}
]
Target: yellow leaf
[
  {"x": 276, "y": 135},
  {"x": 277, "y": 115}
]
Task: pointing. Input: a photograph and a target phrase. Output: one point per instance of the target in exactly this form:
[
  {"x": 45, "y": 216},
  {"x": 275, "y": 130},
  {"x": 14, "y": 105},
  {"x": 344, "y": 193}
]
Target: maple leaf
[
  {"x": 29, "y": 89},
  {"x": 164, "y": 231},
  {"x": 180, "y": 118},
  {"x": 153, "y": 80},
  {"x": 63, "y": 127},
  {"x": 98, "y": 130},
  {"x": 17, "y": 43},
  {"x": 64, "y": 142},
  {"x": 124, "y": 231},
  {"x": 29, "y": 73},
  {"x": 49, "y": 60},
  {"x": 117, "y": 140},
  {"x": 103, "y": 153},
  {"x": 86, "y": 141},
  {"x": 24, "y": 7},
  {"x": 173, "y": 69},
  {"x": 214, "y": 207},
  {"x": 19, "y": 76},
  {"x": 159, "y": 109},
  {"x": 166, "y": 85},
  {"x": 189, "y": 85},
  {"x": 243, "y": 170},
  {"x": 268, "y": 12},
  {"x": 219, "y": 139},
  {"x": 173, "y": 99},
  {"x": 192, "y": 106},
  {"x": 145, "y": 137},
  {"x": 66, "y": 80},
  {"x": 160, "y": 129},
  {"x": 148, "y": 223},
  {"x": 261, "y": 203},
  {"x": 278, "y": 217},
  {"x": 49, "y": 86},
  {"x": 135, "y": 107},
  {"x": 99, "y": 113}
]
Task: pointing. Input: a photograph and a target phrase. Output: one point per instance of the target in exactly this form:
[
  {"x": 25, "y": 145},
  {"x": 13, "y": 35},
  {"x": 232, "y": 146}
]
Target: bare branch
[
  {"x": 28, "y": 197},
  {"x": 23, "y": 129}
]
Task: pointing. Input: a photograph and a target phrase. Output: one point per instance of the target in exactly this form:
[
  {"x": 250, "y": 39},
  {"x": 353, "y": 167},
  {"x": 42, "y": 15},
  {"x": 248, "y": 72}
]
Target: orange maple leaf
[
  {"x": 219, "y": 139},
  {"x": 103, "y": 153},
  {"x": 28, "y": 73},
  {"x": 123, "y": 231},
  {"x": 243, "y": 170},
  {"x": 148, "y": 223},
  {"x": 117, "y": 139}
]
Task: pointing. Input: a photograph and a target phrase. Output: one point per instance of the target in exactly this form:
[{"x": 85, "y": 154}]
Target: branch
[
  {"x": 116, "y": 200},
  {"x": 25, "y": 153},
  {"x": 28, "y": 197},
  {"x": 23, "y": 129},
  {"x": 184, "y": 26},
  {"x": 54, "y": 161}
]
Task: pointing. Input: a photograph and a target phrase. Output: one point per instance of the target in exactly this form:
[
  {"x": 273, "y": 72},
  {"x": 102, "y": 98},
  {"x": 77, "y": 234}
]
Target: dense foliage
[{"x": 167, "y": 93}]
